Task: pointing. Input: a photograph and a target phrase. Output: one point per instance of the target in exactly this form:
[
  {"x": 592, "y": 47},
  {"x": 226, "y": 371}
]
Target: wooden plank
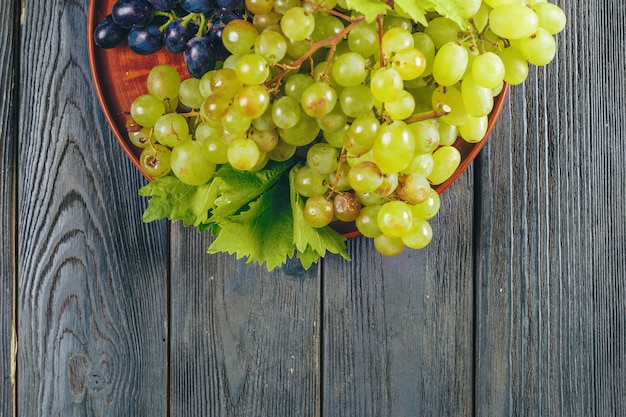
[
  {"x": 8, "y": 47},
  {"x": 92, "y": 294},
  {"x": 244, "y": 342},
  {"x": 398, "y": 331},
  {"x": 551, "y": 298}
]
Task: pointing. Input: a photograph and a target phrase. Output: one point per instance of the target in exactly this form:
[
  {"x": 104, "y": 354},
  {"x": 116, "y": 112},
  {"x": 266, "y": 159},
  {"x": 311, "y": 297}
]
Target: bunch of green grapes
[{"x": 371, "y": 108}]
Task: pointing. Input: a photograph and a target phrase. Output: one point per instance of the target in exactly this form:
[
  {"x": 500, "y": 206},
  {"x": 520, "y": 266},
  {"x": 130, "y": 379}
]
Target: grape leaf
[
  {"x": 412, "y": 9},
  {"x": 369, "y": 8},
  {"x": 452, "y": 9},
  {"x": 307, "y": 238},
  {"x": 263, "y": 233},
  {"x": 175, "y": 200}
]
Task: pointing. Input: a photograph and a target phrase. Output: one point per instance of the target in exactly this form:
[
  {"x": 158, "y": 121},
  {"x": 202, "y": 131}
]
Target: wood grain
[
  {"x": 244, "y": 342},
  {"x": 92, "y": 293},
  {"x": 8, "y": 62},
  {"x": 398, "y": 331},
  {"x": 551, "y": 299}
]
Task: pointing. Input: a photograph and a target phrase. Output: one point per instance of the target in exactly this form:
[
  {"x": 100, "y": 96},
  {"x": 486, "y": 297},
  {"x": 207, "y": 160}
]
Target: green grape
[
  {"x": 190, "y": 165},
  {"x": 205, "y": 130},
  {"x": 402, "y": 107},
  {"x": 356, "y": 101},
  {"x": 426, "y": 134},
  {"x": 450, "y": 64},
  {"x": 478, "y": 100},
  {"x": 303, "y": 133},
  {"x": 442, "y": 30},
  {"x": 447, "y": 133},
  {"x": 205, "y": 83},
  {"x": 146, "y": 110},
  {"x": 371, "y": 198},
  {"x": 171, "y": 129},
  {"x": 266, "y": 140},
  {"x": 252, "y": 69},
  {"x": 469, "y": 8},
  {"x": 426, "y": 46},
  {"x": 252, "y": 101},
  {"x": 308, "y": 183},
  {"x": 155, "y": 160},
  {"x": 410, "y": 63},
  {"x": 297, "y": 23},
  {"x": 264, "y": 121},
  {"x": 513, "y": 21},
  {"x": 282, "y": 6},
  {"x": 189, "y": 93},
  {"x": 296, "y": 49},
  {"x": 349, "y": 69},
  {"x": 333, "y": 121},
  {"x": 515, "y": 65},
  {"x": 363, "y": 131},
  {"x": 271, "y": 45},
  {"x": 235, "y": 123},
  {"x": 365, "y": 177},
  {"x": 339, "y": 178},
  {"x": 481, "y": 17},
  {"x": 540, "y": 48},
  {"x": 243, "y": 154},
  {"x": 413, "y": 188},
  {"x": 322, "y": 158},
  {"x": 488, "y": 70},
  {"x": 367, "y": 221},
  {"x": 214, "y": 108},
  {"x": 419, "y": 235},
  {"x": 338, "y": 138},
  {"x": 394, "y": 147},
  {"x": 428, "y": 208},
  {"x": 215, "y": 150},
  {"x": 386, "y": 84},
  {"x": 447, "y": 159},
  {"x": 259, "y": 6},
  {"x": 551, "y": 17},
  {"x": 225, "y": 83},
  {"x": 422, "y": 163},
  {"x": 231, "y": 62},
  {"x": 388, "y": 186},
  {"x": 140, "y": 138},
  {"x": 474, "y": 129},
  {"x": 346, "y": 207},
  {"x": 363, "y": 40},
  {"x": 396, "y": 39},
  {"x": 392, "y": 20},
  {"x": 239, "y": 36},
  {"x": 318, "y": 99},
  {"x": 318, "y": 211},
  {"x": 264, "y": 21},
  {"x": 452, "y": 97},
  {"x": 496, "y": 3},
  {"x": 282, "y": 151},
  {"x": 296, "y": 84},
  {"x": 395, "y": 218},
  {"x": 286, "y": 112},
  {"x": 326, "y": 27},
  {"x": 163, "y": 81},
  {"x": 327, "y": 4}
]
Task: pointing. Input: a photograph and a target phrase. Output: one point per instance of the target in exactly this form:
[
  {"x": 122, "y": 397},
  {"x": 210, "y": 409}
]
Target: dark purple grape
[
  {"x": 145, "y": 40},
  {"x": 215, "y": 36},
  {"x": 129, "y": 13},
  {"x": 227, "y": 15},
  {"x": 198, "y": 6},
  {"x": 176, "y": 35},
  {"x": 163, "y": 5},
  {"x": 199, "y": 56},
  {"x": 231, "y": 4},
  {"x": 109, "y": 34}
]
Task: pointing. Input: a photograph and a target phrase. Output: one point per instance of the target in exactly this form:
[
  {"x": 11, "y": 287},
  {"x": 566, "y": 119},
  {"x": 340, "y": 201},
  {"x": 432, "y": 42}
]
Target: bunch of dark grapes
[{"x": 191, "y": 27}]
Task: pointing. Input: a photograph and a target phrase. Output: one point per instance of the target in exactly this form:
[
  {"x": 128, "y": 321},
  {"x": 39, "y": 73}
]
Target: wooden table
[{"x": 517, "y": 308}]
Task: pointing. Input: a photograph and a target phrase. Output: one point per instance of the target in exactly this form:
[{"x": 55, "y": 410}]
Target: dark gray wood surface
[{"x": 517, "y": 308}]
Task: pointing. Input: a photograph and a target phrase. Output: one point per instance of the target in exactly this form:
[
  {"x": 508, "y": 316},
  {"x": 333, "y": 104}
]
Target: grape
[
  {"x": 386, "y": 84},
  {"x": 513, "y": 21},
  {"x": 197, "y": 6},
  {"x": 286, "y": 112},
  {"x": 318, "y": 211},
  {"x": 303, "y": 133},
  {"x": 199, "y": 56},
  {"x": 426, "y": 46},
  {"x": 422, "y": 163},
  {"x": 419, "y": 235},
  {"x": 540, "y": 48},
  {"x": 474, "y": 129},
  {"x": 363, "y": 131},
  {"x": 488, "y": 70},
  {"x": 266, "y": 140},
  {"x": 132, "y": 13},
  {"x": 452, "y": 97},
  {"x": 333, "y": 122},
  {"x": 162, "y": 5},
  {"x": 318, "y": 99},
  {"x": 252, "y": 69},
  {"x": 447, "y": 160},
  {"x": 282, "y": 6},
  {"x": 235, "y": 123},
  {"x": 177, "y": 34},
  {"x": 282, "y": 151},
  {"x": 252, "y": 101},
  {"x": 363, "y": 40},
  {"x": 146, "y": 110},
  {"x": 410, "y": 63},
  {"x": 163, "y": 82},
  {"x": 109, "y": 34},
  {"x": 395, "y": 218},
  {"x": 346, "y": 207},
  {"x": 225, "y": 83},
  {"x": 515, "y": 65},
  {"x": 447, "y": 133},
  {"x": 243, "y": 154},
  {"x": 428, "y": 208},
  {"x": 171, "y": 129},
  {"x": 141, "y": 137},
  {"x": 326, "y": 27},
  {"x": 271, "y": 45},
  {"x": 189, "y": 93},
  {"x": 349, "y": 69},
  {"x": 308, "y": 183},
  {"x": 450, "y": 64},
  {"x": 297, "y": 23},
  {"x": 477, "y": 99},
  {"x": 394, "y": 147},
  {"x": 296, "y": 84},
  {"x": 356, "y": 101},
  {"x": 388, "y": 186},
  {"x": 259, "y": 7},
  {"x": 145, "y": 40},
  {"x": 365, "y": 177},
  {"x": 190, "y": 165},
  {"x": 367, "y": 221},
  {"x": 155, "y": 160},
  {"x": 551, "y": 17},
  {"x": 426, "y": 134},
  {"x": 215, "y": 150},
  {"x": 413, "y": 188},
  {"x": 396, "y": 39},
  {"x": 322, "y": 158},
  {"x": 239, "y": 37},
  {"x": 402, "y": 107},
  {"x": 442, "y": 30}
]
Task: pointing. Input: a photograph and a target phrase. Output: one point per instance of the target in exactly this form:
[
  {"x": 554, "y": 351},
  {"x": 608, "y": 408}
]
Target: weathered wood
[
  {"x": 8, "y": 55},
  {"x": 551, "y": 300},
  {"x": 244, "y": 342},
  {"x": 398, "y": 331},
  {"x": 92, "y": 279}
]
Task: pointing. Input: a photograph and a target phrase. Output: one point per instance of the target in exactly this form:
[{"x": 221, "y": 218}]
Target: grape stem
[
  {"x": 315, "y": 46},
  {"x": 379, "y": 23},
  {"x": 441, "y": 110}
]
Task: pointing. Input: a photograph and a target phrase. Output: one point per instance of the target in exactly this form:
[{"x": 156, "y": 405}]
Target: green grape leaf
[
  {"x": 369, "y": 8},
  {"x": 412, "y": 9},
  {"x": 452, "y": 9},
  {"x": 263, "y": 233},
  {"x": 174, "y": 200},
  {"x": 307, "y": 238},
  {"x": 238, "y": 188}
]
